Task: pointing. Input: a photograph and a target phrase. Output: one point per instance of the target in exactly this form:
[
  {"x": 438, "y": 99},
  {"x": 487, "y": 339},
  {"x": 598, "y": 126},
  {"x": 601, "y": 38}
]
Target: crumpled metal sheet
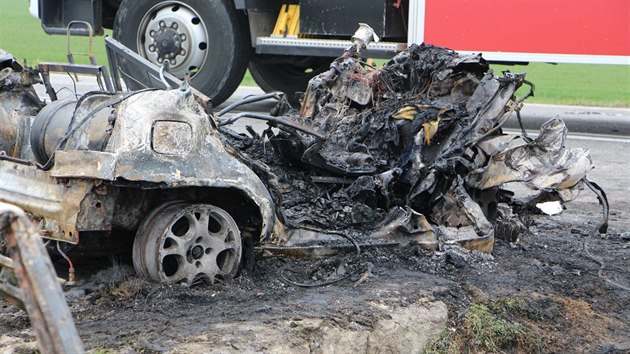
[
  {"x": 461, "y": 221},
  {"x": 541, "y": 164}
]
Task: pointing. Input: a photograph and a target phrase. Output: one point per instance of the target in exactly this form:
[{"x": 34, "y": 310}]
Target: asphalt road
[{"x": 604, "y": 131}]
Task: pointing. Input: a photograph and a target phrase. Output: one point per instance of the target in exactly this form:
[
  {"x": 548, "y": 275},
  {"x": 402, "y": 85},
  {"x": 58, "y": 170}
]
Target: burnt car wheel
[
  {"x": 187, "y": 243},
  {"x": 286, "y": 74},
  {"x": 207, "y": 38}
]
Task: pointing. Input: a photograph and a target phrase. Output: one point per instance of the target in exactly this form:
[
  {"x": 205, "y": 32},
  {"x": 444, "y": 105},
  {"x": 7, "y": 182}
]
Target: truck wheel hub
[
  {"x": 167, "y": 43},
  {"x": 173, "y": 31}
]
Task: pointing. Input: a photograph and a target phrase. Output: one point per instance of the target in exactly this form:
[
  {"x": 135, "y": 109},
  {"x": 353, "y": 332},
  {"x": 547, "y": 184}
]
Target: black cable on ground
[
  {"x": 603, "y": 200},
  {"x": 602, "y": 266},
  {"x": 337, "y": 233},
  {"x": 284, "y": 269},
  {"x": 315, "y": 285},
  {"x": 601, "y": 228}
]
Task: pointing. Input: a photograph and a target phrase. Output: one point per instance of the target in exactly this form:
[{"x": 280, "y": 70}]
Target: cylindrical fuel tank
[
  {"x": 72, "y": 125},
  {"x": 49, "y": 127}
]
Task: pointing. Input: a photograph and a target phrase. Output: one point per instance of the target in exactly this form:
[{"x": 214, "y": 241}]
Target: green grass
[
  {"x": 576, "y": 84},
  {"x": 22, "y": 35},
  {"x": 490, "y": 328},
  {"x": 573, "y": 84}
]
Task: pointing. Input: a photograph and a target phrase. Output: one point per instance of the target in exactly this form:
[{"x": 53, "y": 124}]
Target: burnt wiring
[
  {"x": 70, "y": 265},
  {"x": 601, "y": 228},
  {"x": 49, "y": 164},
  {"x": 603, "y": 201},
  {"x": 332, "y": 232},
  {"x": 284, "y": 270},
  {"x": 250, "y": 99},
  {"x": 74, "y": 86},
  {"x": 519, "y": 102},
  {"x": 363, "y": 268},
  {"x": 602, "y": 266},
  {"x": 277, "y": 120},
  {"x": 523, "y": 132}
]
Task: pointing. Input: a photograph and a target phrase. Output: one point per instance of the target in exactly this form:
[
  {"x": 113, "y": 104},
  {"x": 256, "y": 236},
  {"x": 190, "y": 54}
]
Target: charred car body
[
  {"x": 131, "y": 161},
  {"x": 412, "y": 151}
]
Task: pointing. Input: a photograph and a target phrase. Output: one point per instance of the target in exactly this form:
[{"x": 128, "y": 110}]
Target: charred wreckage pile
[{"x": 412, "y": 151}]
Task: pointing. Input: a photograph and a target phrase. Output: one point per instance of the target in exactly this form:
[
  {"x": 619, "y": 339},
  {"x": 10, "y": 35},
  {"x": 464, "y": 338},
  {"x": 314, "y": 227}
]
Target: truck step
[{"x": 322, "y": 47}]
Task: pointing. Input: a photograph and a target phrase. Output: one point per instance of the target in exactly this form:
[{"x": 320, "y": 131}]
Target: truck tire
[
  {"x": 286, "y": 74},
  {"x": 207, "y": 38}
]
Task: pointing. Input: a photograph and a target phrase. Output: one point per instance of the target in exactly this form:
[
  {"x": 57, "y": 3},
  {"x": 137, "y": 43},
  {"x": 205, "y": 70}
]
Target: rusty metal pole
[{"x": 41, "y": 292}]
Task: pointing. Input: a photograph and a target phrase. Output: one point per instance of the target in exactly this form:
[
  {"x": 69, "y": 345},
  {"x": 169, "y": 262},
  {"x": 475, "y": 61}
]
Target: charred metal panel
[
  {"x": 206, "y": 164},
  {"x": 97, "y": 209},
  {"x": 127, "y": 216},
  {"x": 56, "y": 202},
  {"x": 84, "y": 164},
  {"x": 152, "y": 139}
]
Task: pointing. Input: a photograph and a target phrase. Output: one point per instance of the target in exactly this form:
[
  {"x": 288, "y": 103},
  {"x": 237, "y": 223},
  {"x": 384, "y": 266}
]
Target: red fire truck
[{"x": 286, "y": 42}]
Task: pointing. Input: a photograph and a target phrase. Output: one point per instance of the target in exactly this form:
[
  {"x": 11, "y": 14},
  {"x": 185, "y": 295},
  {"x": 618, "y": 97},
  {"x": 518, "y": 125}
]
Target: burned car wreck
[
  {"x": 147, "y": 160},
  {"x": 412, "y": 152}
]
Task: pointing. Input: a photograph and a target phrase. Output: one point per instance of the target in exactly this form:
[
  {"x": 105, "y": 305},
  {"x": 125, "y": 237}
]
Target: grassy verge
[
  {"x": 525, "y": 323},
  {"x": 494, "y": 327},
  {"x": 573, "y": 84},
  {"x": 577, "y": 84}
]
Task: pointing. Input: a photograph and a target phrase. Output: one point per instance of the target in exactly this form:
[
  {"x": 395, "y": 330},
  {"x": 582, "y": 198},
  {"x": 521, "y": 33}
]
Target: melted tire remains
[{"x": 187, "y": 243}]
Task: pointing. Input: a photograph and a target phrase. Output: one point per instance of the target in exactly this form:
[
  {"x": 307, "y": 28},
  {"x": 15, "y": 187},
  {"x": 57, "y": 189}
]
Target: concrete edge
[{"x": 579, "y": 119}]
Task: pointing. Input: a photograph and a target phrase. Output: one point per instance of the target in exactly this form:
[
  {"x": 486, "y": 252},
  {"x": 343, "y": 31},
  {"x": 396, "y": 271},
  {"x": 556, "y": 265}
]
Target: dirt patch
[{"x": 561, "y": 299}]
